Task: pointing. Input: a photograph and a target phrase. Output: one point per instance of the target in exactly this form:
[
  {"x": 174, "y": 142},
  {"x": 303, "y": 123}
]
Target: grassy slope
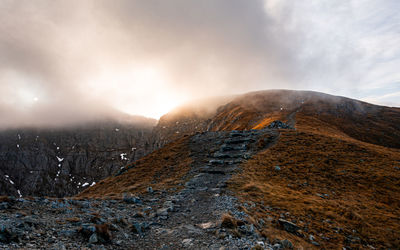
[
  {"x": 162, "y": 169},
  {"x": 360, "y": 180},
  {"x": 331, "y": 152}
]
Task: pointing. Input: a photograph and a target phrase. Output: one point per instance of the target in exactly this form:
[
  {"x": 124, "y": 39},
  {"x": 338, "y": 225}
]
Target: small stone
[
  {"x": 162, "y": 212},
  {"x": 206, "y": 225},
  {"x": 187, "y": 242},
  {"x": 93, "y": 238},
  {"x": 287, "y": 244},
  {"x": 276, "y": 246},
  {"x": 288, "y": 226},
  {"x": 132, "y": 200},
  {"x": 150, "y": 190},
  {"x": 277, "y": 168},
  {"x": 315, "y": 243}
]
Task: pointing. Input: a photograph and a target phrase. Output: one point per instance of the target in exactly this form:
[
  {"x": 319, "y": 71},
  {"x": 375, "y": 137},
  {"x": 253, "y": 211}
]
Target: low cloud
[{"x": 70, "y": 61}]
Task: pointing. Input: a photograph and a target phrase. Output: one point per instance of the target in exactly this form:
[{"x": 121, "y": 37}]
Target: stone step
[
  {"x": 235, "y": 161},
  {"x": 239, "y": 140},
  {"x": 217, "y": 170},
  {"x": 235, "y": 133},
  {"x": 235, "y": 147},
  {"x": 221, "y": 155},
  {"x": 216, "y": 162},
  {"x": 214, "y": 171}
]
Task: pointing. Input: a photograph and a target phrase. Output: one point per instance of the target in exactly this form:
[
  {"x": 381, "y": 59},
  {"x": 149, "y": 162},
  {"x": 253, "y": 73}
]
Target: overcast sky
[{"x": 67, "y": 60}]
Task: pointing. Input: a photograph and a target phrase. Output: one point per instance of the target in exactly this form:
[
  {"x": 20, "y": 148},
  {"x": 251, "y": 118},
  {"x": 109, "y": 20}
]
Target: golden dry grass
[
  {"x": 358, "y": 182},
  {"x": 162, "y": 169}
]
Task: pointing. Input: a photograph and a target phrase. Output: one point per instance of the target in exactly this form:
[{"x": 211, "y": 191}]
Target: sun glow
[{"x": 139, "y": 90}]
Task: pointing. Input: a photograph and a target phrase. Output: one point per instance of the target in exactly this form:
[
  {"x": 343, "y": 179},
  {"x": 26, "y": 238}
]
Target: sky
[{"x": 67, "y": 61}]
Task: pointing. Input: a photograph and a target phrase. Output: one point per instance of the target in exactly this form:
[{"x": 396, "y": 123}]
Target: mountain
[
  {"x": 360, "y": 120},
  {"x": 285, "y": 168},
  {"x": 63, "y": 161}
]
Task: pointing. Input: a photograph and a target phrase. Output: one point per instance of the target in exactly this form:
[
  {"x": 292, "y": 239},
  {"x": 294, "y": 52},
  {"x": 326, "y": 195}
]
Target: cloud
[{"x": 86, "y": 58}]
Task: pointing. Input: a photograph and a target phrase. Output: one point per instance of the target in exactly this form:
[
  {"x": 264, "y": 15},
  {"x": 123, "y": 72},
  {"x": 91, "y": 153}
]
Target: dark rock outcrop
[{"x": 63, "y": 162}]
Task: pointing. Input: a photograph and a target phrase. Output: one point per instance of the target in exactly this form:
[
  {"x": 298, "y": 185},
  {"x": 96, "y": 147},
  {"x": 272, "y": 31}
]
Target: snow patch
[
  {"x": 8, "y": 178},
  {"x": 17, "y": 145},
  {"x": 19, "y": 137},
  {"x": 123, "y": 156},
  {"x": 92, "y": 183},
  {"x": 116, "y": 129},
  {"x": 60, "y": 159},
  {"x": 85, "y": 184},
  {"x": 19, "y": 193}
]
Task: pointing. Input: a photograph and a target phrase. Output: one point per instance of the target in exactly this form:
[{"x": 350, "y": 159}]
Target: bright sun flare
[{"x": 140, "y": 91}]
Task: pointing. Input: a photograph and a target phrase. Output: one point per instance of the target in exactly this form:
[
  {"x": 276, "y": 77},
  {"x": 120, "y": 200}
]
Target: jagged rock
[
  {"x": 87, "y": 230},
  {"x": 187, "y": 242},
  {"x": 93, "y": 238},
  {"x": 162, "y": 212},
  {"x": 63, "y": 162},
  {"x": 288, "y": 226},
  {"x": 132, "y": 200},
  {"x": 216, "y": 162},
  {"x": 277, "y": 246},
  {"x": 278, "y": 124},
  {"x": 287, "y": 244},
  {"x": 247, "y": 229}
]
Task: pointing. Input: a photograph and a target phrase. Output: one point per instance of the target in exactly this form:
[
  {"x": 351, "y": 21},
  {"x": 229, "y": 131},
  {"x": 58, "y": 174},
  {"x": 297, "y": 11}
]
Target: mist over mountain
[
  {"x": 79, "y": 60},
  {"x": 212, "y": 124}
]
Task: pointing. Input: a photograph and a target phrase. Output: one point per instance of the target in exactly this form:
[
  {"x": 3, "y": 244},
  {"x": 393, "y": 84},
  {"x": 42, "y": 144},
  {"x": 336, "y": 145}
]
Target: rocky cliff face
[{"x": 63, "y": 162}]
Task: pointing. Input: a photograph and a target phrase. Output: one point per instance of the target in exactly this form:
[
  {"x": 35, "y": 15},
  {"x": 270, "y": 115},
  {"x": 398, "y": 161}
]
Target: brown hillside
[
  {"x": 161, "y": 170},
  {"x": 341, "y": 191},
  {"x": 363, "y": 121},
  {"x": 338, "y": 175}
]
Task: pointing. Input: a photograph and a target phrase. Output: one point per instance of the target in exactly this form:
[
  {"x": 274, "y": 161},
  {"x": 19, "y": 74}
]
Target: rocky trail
[{"x": 188, "y": 218}]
